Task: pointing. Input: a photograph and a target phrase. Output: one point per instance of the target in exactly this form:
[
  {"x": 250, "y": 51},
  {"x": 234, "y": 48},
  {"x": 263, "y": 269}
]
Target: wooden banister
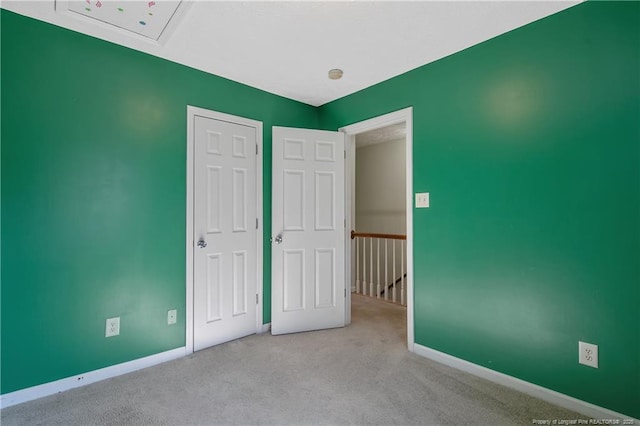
[{"x": 388, "y": 236}]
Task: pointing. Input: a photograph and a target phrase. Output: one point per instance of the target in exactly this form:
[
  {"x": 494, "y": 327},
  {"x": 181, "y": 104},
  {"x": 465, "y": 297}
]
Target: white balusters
[
  {"x": 386, "y": 269},
  {"x": 394, "y": 271},
  {"x": 364, "y": 266},
  {"x": 370, "y": 266},
  {"x": 378, "y": 267},
  {"x": 402, "y": 272},
  {"x": 374, "y": 279},
  {"x": 357, "y": 241}
]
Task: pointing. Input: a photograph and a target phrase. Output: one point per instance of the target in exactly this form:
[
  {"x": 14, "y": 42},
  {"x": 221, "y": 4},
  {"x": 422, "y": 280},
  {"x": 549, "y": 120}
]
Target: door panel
[
  {"x": 224, "y": 213},
  {"x": 308, "y": 278}
]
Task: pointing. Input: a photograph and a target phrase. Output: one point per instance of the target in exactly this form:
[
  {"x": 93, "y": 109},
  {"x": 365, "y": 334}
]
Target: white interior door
[
  {"x": 308, "y": 262},
  {"x": 225, "y": 251}
]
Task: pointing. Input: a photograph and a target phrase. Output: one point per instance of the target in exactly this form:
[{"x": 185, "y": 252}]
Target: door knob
[
  {"x": 202, "y": 243},
  {"x": 279, "y": 238}
]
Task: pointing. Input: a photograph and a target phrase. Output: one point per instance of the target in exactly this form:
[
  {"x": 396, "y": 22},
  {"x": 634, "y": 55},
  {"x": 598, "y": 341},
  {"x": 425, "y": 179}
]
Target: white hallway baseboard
[
  {"x": 589, "y": 410},
  {"x": 40, "y": 391}
]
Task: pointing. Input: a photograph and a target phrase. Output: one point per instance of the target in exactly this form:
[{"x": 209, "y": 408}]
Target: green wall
[
  {"x": 93, "y": 196},
  {"x": 528, "y": 143},
  {"x": 529, "y": 146}
]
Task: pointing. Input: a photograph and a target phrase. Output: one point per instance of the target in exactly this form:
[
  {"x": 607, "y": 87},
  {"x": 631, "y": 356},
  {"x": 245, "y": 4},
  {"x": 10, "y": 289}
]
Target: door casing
[
  {"x": 193, "y": 111},
  {"x": 404, "y": 115}
]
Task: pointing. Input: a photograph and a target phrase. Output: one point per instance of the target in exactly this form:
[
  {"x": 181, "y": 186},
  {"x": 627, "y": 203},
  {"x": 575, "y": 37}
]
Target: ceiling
[
  {"x": 287, "y": 48},
  {"x": 393, "y": 132}
]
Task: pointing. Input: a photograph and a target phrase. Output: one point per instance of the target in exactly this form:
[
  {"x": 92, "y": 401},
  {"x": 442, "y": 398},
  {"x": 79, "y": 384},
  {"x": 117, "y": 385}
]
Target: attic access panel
[{"x": 146, "y": 18}]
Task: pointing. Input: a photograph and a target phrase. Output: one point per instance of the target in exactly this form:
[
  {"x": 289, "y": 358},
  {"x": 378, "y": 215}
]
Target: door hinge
[
  {"x": 256, "y": 149},
  {"x": 345, "y": 155},
  {"x": 256, "y": 299},
  {"x": 345, "y": 292},
  {"x": 256, "y": 223},
  {"x": 345, "y": 222}
]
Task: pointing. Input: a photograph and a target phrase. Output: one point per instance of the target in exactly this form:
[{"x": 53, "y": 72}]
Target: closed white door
[
  {"x": 224, "y": 270},
  {"x": 308, "y": 265}
]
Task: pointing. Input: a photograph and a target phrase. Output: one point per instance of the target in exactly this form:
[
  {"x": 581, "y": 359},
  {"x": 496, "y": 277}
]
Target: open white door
[{"x": 308, "y": 261}]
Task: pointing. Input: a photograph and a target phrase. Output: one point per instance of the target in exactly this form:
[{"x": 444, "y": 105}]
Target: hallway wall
[{"x": 381, "y": 188}]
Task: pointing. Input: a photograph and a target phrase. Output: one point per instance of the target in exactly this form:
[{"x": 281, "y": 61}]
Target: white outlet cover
[
  {"x": 422, "y": 200},
  {"x": 588, "y": 354},
  {"x": 172, "y": 316},
  {"x": 112, "y": 327}
]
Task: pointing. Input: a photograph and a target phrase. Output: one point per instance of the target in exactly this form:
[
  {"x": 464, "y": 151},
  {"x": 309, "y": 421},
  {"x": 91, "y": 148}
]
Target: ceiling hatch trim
[{"x": 151, "y": 20}]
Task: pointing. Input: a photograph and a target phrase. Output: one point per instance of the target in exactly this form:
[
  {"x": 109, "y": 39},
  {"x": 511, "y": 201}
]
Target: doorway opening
[
  {"x": 380, "y": 214},
  {"x": 379, "y": 211}
]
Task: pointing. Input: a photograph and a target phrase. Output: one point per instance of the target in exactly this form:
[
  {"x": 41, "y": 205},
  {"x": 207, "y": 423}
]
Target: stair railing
[{"x": 369, "y": 258}]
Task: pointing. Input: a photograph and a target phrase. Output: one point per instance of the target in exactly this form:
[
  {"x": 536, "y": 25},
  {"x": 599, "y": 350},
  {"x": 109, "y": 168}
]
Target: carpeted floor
[{"x": 360, "y": 374}]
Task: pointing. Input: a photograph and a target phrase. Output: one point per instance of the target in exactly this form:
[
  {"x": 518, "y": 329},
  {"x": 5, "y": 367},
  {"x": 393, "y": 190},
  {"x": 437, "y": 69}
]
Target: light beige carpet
[{"x": 360, "y": 374}]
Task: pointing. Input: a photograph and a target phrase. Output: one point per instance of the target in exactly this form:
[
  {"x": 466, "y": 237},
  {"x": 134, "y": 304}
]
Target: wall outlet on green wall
[
  {"x": 113, "y": 327},
  {"x": 588, "y": 354}
]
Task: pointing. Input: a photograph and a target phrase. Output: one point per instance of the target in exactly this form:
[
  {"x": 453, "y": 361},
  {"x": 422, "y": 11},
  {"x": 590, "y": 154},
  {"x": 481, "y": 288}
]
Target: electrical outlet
[
  {"x": 588, "y": 354},
  {"x": 113, "y": 327},
  {"x": 172, "y": 316}
]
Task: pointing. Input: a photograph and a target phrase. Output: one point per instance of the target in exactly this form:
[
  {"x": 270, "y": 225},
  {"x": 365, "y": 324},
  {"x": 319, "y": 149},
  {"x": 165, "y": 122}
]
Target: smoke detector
[{"x": 335, "y": 74}]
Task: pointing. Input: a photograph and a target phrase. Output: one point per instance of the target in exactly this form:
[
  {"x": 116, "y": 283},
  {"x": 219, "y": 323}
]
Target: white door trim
[
  {"x": 404, "y": 115},
  {"x": 193, "y": 111}
]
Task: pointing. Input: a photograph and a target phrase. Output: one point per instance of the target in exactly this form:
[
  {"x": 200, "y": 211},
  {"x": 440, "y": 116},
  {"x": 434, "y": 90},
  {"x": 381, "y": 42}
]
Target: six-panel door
[
  {"x": 308, "y": 275},
  {"x": 224, "y": 231}
]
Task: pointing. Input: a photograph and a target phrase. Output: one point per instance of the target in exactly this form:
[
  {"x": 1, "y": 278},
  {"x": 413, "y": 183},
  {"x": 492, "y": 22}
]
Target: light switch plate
[{"x": 422, "y": 200}]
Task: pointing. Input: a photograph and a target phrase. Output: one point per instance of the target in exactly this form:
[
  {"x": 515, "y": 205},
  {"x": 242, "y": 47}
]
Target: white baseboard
[
  {"x": 35, "y": 392},
  {"x": 266, "y": 328},
  {"x": 590, "y": 410}
]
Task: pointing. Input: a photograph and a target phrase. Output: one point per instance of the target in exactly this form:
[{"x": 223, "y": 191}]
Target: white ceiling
[{"x": 287, "y": 48}]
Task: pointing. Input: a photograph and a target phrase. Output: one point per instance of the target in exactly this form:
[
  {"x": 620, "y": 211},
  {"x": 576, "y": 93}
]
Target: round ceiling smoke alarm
[{"x": 335, "y": 74}]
